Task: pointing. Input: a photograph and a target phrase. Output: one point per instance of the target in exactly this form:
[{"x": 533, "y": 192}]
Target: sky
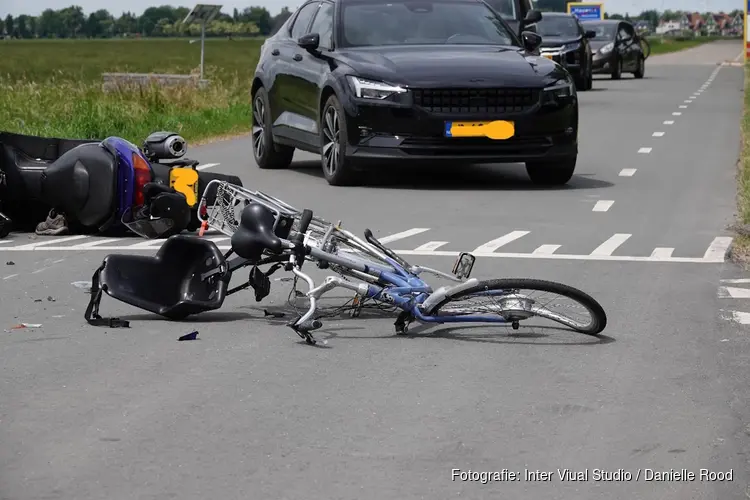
[{"x": 35, "y": 7}]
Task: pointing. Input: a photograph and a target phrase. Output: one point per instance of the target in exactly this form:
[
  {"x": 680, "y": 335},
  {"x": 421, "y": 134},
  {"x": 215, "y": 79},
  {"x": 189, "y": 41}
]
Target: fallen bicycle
[{"x": 189, "y": 274}]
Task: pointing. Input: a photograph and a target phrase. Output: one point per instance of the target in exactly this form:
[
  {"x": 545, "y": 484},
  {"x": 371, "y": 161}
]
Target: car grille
[{"x": 476, "y": 101}]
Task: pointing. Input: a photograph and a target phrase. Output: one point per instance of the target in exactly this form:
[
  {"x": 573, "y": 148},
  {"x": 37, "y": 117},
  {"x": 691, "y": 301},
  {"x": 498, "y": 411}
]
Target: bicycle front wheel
[{"x": 518, "y": 300}]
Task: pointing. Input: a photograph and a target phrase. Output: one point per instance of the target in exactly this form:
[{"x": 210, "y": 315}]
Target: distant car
[
  {"x": 617, "y": 48},
  {"x": 371, "y": 81},
  {"x": 565, "y": 41}
]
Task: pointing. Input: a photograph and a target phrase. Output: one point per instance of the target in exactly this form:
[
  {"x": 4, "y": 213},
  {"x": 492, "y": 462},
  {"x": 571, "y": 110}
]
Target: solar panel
[{"x": 202, "y": 13}]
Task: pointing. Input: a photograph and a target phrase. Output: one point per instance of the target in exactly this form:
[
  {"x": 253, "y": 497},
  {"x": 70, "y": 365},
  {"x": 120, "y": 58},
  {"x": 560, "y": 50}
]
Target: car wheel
[
  {"x": 268, "y": 155},
  {"x": 551, "y": 172},
  {"x": 617, "y": 72},
  {"x": 641, "y": 69},
  {"x": 338, "y": 169}
]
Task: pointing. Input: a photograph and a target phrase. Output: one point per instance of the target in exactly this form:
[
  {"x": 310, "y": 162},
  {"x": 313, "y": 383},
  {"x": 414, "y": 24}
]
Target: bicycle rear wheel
[{"x": 518, "y": 300}]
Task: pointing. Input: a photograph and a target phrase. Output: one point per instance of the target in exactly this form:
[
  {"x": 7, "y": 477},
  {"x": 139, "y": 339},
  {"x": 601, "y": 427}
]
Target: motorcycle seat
[
  {"x": 83, "y": 184},
  {"x": 255, "y": 233},
  {"x": 170, "y": 283}
]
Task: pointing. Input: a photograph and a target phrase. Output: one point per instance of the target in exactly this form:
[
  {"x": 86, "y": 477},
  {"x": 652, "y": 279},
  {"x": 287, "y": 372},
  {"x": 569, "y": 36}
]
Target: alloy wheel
[
  {"x": 259, "y": 122},
  {"x": 331, "y": 145}
]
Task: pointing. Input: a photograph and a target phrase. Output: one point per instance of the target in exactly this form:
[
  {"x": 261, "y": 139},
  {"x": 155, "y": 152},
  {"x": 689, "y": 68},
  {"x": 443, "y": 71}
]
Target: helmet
[{"x": 165, "y": 211}]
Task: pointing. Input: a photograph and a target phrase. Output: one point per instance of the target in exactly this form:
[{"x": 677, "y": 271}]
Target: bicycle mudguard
[{"x": 188, "y": 275}]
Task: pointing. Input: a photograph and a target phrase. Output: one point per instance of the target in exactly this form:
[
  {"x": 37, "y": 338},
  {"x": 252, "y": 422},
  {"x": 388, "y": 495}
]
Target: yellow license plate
[
  {"x": 497, "y": 130},
  {"x": 185, "y": 180},
  {"x": 548, "y": 56}
]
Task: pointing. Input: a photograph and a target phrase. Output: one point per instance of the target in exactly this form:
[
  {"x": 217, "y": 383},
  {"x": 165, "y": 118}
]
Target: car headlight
[
  {"x": 571, "y": 46},
  {"x": 559, "y": 89},
  {"x": 370, "y": 89},
  {"x": 607, "y": 48}
]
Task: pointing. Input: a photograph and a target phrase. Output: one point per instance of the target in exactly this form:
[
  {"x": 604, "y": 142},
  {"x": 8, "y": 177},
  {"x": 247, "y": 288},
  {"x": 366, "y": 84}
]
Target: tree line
[
  {"x": 163, "y": 21},
  {"x": 653, "y": 16}
]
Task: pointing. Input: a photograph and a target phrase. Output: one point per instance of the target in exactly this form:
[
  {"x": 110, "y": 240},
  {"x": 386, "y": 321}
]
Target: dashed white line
[
  {"x": 683, "y": 107},
  {"x": 657, "y": 134},
  {"x": 32, "y": 246},
  {"x": 545, "y": 250},
  {"x": 431, "y": 246},
  {"x": 609, "y": 246},
  {"x": 736, "y": 280},
  {"x": 676, "y": 113},
  {"x": 603, "y": 205},
  {"x": 731, "y": 292},
  {"x": 84, "y": 246},
  {"x": 627, "y": 172},
  {"x": 644, "y": 150},
  {"x": 688, "y": 101},
  {"x": 668, "y": 122},
  {"x": 10, "y": 276},
  {"x": 493, "y": 245},
  {"x": 738, "y": 56},
  {"x": 718, "y": 248},
  {"x": 662, "y": 253},
  {"x": 403, "y": 234}
]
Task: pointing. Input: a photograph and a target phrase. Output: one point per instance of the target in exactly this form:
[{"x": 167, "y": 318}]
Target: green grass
[
  {"x": 665, "y": 45},
  {"x": 741, "y": 244},
  {"x": 53, "y": 88}
]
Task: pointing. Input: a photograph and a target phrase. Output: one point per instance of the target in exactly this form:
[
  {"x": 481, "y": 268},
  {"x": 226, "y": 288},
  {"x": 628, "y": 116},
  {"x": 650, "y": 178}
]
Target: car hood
[
  {"x": 442, "y": 66},
  {"x": 556, "y": 41},
  {"x": 598, "y": 44}
]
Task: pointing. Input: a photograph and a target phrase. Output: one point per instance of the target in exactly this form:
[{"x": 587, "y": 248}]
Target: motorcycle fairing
[{"x": 173, "y": 283}]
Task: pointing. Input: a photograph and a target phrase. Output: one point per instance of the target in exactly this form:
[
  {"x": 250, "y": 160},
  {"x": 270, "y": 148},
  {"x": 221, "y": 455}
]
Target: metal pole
[{"x": 203, "y": 40}]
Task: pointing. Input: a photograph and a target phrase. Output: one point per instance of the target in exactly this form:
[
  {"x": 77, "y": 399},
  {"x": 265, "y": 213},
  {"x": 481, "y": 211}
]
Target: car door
[
  {"x": 286, "y": 95},
  {"x": 627, "y": 41},
  {"x": 312, "y": 68}
]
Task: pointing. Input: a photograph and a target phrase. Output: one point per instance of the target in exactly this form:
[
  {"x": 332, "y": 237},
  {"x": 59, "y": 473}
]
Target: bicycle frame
[{"x": 402, "y": 285}]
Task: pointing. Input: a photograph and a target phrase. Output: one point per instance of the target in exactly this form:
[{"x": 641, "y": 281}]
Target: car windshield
[
  {"x": 368, "y": 23},
  {"x": 506, "y": 8},
  {"x": 557, "y": 26},
  {"x": 604, "y": 32}
]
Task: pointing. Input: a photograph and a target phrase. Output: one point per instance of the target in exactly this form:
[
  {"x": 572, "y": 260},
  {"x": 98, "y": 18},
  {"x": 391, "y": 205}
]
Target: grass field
[
  {"x": 741, "y": 246},
  {"x": 53, "y": 87}
]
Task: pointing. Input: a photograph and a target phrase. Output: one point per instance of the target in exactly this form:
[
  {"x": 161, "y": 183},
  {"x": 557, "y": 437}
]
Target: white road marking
[
  {"x": 644, "y": 150},
  {"x": 718, "y": 249},
  {"x": 740, "y": 317},
  {"x": 603, "y": 205},
  {"x": 688, "y": 101},
  {"x": 627, "y": 172},
  {"x": 683, "y": 107},
  {"x": 145, "y": 244},
  {"x": 737, "y": 280},
  {"x": 430, "y": 246},
  {"x": 657, "y": 134},
  {"x": 493, "y": 245},
  {"x": 403, "y": 234},
  {"x": 39, "y": 270},
  {"x": 731, "y": 292},
  {"x": 33, "y": 246},
  {"x": 738, "y": 56},
  {"x": 84, "y": 246},
  {"x": 662, "y": 253},
  {"x": 609, "y": 246},
  {"x": 5, "y": 241},
  {"x": 668, "y": 122},
  {"x": 207, "y": 166},
  {"x": 676, "y": 113},
  {"x": 546, "y": 250},
  {"x": 10, "y": 276}
]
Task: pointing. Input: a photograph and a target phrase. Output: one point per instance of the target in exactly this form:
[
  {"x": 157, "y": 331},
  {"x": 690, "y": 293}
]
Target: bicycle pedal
[{"x": 356, "y": 307}]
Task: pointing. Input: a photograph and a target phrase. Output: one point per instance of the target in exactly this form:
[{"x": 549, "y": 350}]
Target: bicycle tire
[{"x": 599, "y": 317}]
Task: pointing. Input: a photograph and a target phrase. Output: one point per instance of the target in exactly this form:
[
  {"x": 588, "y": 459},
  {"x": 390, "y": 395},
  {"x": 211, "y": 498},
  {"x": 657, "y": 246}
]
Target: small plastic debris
[
  {"x": 26, "y": 325},
  {"x": 266, "y": 312},
  {"x": 37, "y": 300},
  {"x": 50, "y": 298},
  {"x": 189, "y": 336},
  {"x": 83, "y": 285},
  {"x": 10, "y": 263}
]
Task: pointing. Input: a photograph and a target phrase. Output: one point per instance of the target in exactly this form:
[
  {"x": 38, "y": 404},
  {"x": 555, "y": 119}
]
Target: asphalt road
[{"x": 247, "y": 411}]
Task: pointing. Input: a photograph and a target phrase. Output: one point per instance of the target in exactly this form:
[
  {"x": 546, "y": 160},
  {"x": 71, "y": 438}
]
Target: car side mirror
[
  {"x": 531, "y": 40},
  {"x": 309, "y": 42},
  {"x": 590, "y": 34},
  {"x": 532, "y": 17}
]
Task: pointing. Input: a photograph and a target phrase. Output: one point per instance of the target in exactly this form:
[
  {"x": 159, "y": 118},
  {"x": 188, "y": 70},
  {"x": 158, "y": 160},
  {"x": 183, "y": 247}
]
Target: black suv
[{"x": 565, "y": 41}]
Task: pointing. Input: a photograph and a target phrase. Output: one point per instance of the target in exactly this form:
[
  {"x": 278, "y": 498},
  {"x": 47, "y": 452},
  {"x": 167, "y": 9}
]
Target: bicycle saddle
[{"x": 255, "y": 233}]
